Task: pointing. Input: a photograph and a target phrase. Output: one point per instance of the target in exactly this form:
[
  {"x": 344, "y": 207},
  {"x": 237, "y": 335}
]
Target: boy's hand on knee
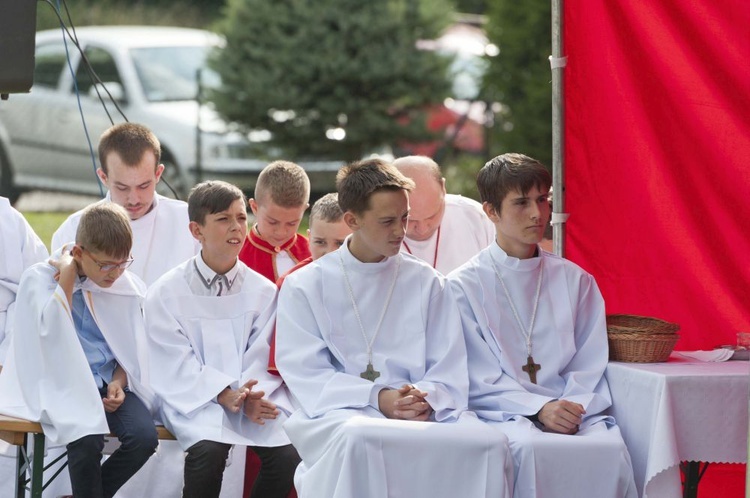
[{"x": 115, "y": 397}]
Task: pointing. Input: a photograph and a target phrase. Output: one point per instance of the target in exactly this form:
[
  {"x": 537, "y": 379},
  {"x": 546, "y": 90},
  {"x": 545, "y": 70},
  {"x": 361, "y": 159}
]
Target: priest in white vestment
[
  {"x": 537, "y": 346},
  {"x": 445, "y": 230},
  {"x": 130, "y": 168},
  {"x": 369, "y": 343}
]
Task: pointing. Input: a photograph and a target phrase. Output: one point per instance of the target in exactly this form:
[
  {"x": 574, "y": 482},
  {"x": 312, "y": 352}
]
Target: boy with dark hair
[
  {"x": 76, "y": 368},
  {"x": 369, "y": 343},
  {"x": 537, "y": 345},
  {"x": 273, "y": 246},
  {"x": 209, "y": 322}
]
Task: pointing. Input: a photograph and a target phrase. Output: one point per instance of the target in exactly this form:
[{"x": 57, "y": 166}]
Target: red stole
[
  {"x": 272, "y": 354},
  {"x": 260, "y": 256}
]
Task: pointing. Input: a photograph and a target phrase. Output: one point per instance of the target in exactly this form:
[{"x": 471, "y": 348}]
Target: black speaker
[{"x": 17, "y": 32}]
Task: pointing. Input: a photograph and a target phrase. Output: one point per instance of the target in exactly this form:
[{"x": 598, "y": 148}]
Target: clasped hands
[
  {"x": 252, "y": 403},
  {"x": 406, "y": 403},
  {"x": 561, "y": 416}
]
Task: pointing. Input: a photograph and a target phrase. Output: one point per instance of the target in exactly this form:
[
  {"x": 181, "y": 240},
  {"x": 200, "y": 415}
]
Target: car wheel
[
  {"x": 173, "y": 183},
  {"x": 7, "y": 189}
]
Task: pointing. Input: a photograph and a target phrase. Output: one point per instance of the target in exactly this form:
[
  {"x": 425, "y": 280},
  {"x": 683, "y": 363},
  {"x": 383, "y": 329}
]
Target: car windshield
[{"x": 170, "y": 73}]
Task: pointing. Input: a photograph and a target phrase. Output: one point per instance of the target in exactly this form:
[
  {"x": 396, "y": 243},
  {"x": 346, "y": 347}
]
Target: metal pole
[
  {"x": 198, "y": 133},
  {"x": 558, "y": 128}
]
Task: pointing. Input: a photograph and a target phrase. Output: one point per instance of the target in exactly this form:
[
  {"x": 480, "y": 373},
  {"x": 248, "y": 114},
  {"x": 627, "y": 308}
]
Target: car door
[
  {"x": 31, "y": 119},
  {"x": 76, "y": 161}
]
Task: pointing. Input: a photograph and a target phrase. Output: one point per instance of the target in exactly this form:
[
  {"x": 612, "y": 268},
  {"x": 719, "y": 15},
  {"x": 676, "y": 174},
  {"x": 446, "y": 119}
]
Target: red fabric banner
[
  {"x": 657, "y": 178},
  {"x": 658, "y": 143}
]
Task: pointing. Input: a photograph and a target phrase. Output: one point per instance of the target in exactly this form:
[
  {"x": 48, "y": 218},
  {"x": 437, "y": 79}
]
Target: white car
[{"x": 152, "y": 72}]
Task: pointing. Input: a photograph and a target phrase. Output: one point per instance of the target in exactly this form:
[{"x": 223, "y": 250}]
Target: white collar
[{"x": 209, "y": 277}]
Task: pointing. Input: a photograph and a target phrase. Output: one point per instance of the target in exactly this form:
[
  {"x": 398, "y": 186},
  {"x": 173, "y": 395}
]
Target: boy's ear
[
  {"x": 253, "y": 205},
  {"x": 351, "y": 221},
  {"x": 491, "y": 212},
  {"x": 196, "y": 230},
  {"x": 76, "y": 252}
]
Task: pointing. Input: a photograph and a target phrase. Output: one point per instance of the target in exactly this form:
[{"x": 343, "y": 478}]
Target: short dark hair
[
  {"x": 509, "y": 173},
  {"x": 210, "y": 197},
  {"x": 356, "y": 182},
  {"x": 326, "y": 209},
  {"x": 130, "y": 141},
  {"x": 105, "y": 228}
]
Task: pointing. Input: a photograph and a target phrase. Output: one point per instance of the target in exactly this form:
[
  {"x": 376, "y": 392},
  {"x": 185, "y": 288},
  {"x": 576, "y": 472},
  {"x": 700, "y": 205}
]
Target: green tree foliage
[
  {"x": 472, "y": 6},
  {"x": 300, "y": 68},
  {"x": 192, "y": 13},
  {"x": 520, "y": 77}
]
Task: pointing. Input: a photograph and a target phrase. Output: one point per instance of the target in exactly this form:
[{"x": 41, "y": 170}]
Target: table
[
  {"x": 30, "y": 468},
  {"x": 681, "y": 410}
]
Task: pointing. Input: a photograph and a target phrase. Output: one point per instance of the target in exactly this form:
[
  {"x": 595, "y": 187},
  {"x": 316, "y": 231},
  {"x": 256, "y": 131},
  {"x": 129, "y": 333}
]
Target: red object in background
[
  {"x": 657, "y": 142},
  {"x": 444, "y": 122}
]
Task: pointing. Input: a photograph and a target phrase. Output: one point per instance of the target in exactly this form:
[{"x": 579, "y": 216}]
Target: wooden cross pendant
[
  {"x": 531, "y": 368},
  {"x": 370, "y": 373}
]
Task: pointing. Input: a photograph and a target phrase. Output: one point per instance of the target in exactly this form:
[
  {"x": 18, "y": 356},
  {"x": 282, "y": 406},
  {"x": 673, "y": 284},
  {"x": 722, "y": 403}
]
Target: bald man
[{"x": 445, "y": 230}]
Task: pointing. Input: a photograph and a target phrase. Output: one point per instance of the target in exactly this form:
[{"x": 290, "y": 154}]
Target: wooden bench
[{"x": 30, "y": 473}]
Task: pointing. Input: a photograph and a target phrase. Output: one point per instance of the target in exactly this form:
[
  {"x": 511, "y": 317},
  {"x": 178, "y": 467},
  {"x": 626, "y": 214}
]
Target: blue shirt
[{"x": 101, "y": 360}]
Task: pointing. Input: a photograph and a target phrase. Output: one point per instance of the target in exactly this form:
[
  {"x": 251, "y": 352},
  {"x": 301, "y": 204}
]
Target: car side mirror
[{"x": 115, "y": 90}]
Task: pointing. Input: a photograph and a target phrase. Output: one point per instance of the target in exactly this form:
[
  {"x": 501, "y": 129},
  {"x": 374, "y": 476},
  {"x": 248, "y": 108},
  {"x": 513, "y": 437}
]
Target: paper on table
[{"x": 715, "y": 355}]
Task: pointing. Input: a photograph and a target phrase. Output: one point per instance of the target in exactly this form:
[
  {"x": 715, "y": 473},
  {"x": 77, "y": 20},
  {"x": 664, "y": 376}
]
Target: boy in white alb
[
  {"x": 369, "y": 343},
  {"x": 445, "y": 230},
  {"x": 75, "y": 368},
  {"x": 537, "y": 346},
  {"x": 209, "y": 323},
  {"x": 20, "y": 248}
]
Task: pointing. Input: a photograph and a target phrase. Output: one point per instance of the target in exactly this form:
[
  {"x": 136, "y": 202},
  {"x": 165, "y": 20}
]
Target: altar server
[
  {"x": 537, "y": 345},
  {"x": 130, "y": 168},
  {"x": 369, "y": 343},
  {"x": 445, "y": 230},
  {"x": 75, "y": 368},
  {"x": 20, "y": 248},
  {"x": 209, "y": 324}
]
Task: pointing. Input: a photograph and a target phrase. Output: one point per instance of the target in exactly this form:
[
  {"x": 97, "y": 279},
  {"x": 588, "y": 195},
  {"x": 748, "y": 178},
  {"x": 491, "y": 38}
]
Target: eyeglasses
[{"x": 108, "y": 267}]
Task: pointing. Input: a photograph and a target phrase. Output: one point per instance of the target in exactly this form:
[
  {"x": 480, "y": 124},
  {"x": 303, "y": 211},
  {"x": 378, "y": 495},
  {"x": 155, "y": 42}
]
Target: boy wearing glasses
[{"x": 75, "y": 368}]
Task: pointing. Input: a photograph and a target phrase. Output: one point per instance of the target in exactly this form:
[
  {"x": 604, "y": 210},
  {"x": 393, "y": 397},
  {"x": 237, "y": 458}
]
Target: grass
[{"x": 45, "y": 224}]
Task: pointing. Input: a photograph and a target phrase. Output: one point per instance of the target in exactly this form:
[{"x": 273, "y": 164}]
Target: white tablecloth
[{"x": 677, "y": 411}]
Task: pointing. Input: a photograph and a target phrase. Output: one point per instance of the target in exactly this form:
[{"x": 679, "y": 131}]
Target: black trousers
[
  {"x": 205, "y": 462},
  {"x": 134, "y": 427}
]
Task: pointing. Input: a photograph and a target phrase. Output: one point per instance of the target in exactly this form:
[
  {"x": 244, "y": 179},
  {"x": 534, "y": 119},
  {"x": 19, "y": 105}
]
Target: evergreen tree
[
  {"x": 301, "y": 68},
  {"x": 520, "y": 77}
]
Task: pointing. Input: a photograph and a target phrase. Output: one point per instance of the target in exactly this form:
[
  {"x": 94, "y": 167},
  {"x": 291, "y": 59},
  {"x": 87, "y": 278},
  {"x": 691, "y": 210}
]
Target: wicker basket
[{"x": 640, "y": 339}]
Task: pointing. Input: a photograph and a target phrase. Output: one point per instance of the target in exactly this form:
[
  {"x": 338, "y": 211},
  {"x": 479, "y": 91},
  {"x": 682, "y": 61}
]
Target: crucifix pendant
[
  {"x": 370, "y": 373},
  {"x": 531, "y": 368}
]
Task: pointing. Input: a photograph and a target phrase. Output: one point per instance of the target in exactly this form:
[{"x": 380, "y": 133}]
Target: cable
[
  {"x": 78, "y": 98},
  {"x": 94, "y": 79}
]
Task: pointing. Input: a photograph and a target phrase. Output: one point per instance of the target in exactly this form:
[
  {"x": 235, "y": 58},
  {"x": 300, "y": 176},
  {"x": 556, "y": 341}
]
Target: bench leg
[
  {"x": 37, "y": 467},
  {"x": 21, "y": 468}
]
